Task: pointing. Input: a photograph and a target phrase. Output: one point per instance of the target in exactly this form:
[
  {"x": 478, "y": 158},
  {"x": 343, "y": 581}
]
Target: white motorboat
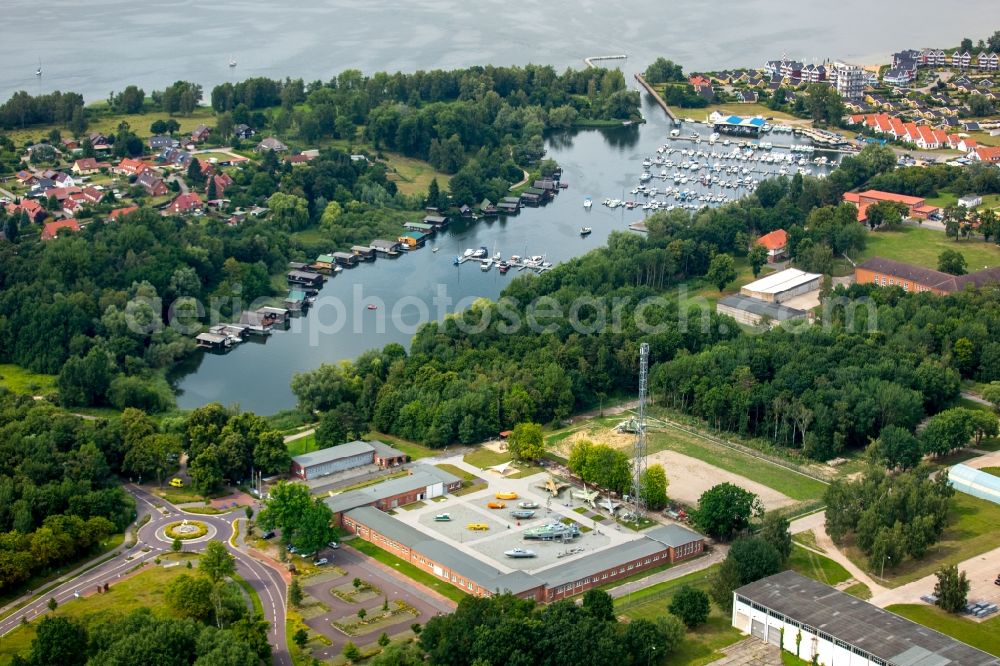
[{"x": 587, "y": 203}]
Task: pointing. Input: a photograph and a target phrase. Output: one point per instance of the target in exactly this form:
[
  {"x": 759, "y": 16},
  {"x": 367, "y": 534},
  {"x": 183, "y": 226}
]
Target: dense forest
[
  {"x": 58, "y": 494},
  {"x": 461, "y": 386}
]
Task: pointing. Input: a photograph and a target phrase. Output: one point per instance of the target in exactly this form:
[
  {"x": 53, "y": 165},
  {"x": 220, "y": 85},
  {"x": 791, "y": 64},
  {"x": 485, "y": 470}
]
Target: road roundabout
[{"x": 187, "y": 531}]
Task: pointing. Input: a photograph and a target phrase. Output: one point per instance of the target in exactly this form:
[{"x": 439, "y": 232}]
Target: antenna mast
[{"x": 639, "y": 453}]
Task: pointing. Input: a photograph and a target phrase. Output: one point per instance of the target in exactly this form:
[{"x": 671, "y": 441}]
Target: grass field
[
  {"x": 921, "y": 246},
  {"x": 484, "y": 458},
  {"x": 18, "y": 380},
  {"x": 306, "y": 444},
  {"x": 460, "y": 473},
  {"x": 414, "y": 176},
  {"x": 701, "y": 645},
  {"x": 982, "y": 635},
  {"x": 139, "y": 122},
  {"x": 973, "y": 531},
  {"x": 794, "y": 485},
  {"x": 144, "y": 590},
  {"x": 859, "y": 590},
  {"x": 995, "y": 471},
  {"x": 734, "y": 109},
  {"x": 407, "y": 569},
  {"x": 816, "y": 566},
  {"x": 412, "y": 449}
]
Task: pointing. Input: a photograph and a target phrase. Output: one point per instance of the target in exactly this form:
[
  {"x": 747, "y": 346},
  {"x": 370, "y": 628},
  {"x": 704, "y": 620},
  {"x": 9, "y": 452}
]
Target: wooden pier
[
  {"x": 519, "y": 265},
  {"x": 659, "y": 100},
  {"x": 590, "y": 60}
]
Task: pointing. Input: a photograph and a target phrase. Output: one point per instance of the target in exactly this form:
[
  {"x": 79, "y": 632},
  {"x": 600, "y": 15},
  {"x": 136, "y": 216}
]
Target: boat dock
[
  {"x": 592, "y": 59},
  {"x": 659, "y": 100},
  {"x": 516, "y": 263},
  {"x": 791, "y": 147}
]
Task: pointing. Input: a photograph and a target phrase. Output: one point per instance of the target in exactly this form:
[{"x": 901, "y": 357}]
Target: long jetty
[
  {"x": 659, "y": 100},
  {"x": 592, "y": 59}
]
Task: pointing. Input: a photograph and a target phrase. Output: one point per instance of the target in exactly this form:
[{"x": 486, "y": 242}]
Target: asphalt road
[{"x": 266, "y": 581}]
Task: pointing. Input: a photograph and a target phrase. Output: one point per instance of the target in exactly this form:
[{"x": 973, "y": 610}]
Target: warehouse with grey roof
[{"x": 831, "y": 627}]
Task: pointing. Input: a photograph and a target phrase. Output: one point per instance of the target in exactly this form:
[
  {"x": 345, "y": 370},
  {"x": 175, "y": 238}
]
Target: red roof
[
  {"x": 699, "y": 80},
  {"x": 51, "y": 230},
  {"x": 184, "y": 203},
  {"x": 988, "y": 153},
  {"x": 776, "y": 240},
  {"x": 129, "y": 165},
  {"x": 889, "y": 196},
  {"x": 118, "y": 212},
  {"x": 852, "y": 197}
]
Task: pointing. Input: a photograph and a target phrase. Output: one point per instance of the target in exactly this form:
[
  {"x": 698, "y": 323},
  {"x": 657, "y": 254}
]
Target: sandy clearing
[{"x": 690, "y": 477}]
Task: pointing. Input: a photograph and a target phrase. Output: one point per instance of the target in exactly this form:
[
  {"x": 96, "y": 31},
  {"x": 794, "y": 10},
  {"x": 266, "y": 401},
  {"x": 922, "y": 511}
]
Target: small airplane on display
[
  {"x": 442, "y": 518},
  {"x": 588, "y": 496},
  {"x": 496, "y": 505},
  {"x": 477, "y": 526},
  {"x": 528, "y": 504},
  {"x": 506, "y": 495},
  {"x": 609, "y": 505},
  {"x": 523, "y": 514},
  {"x": 553, "y": 487}
]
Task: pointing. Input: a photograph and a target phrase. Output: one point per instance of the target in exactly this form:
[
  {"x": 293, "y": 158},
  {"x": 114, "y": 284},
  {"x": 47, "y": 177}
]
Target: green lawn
[
  {"x": 973, "y": 531},
  {"x": 142, "y": 590},
  {"x": 306, "y": 444},
  {"x": 733, "y": 109},
  {"x": 816, "y": 566},
  {"x": 139, "y": 122},
  {"x": 982, "y": 635},
  {"x": 995, "y": 471},
  {"x": 921, "y": 246},
  {"x": 18, "y": 380},
  {"x": 460, "y": 473},
  {"x": 407, "y": 569},
  {"x": 412, "y": 449},
  {"x": 701, "y": 646},
  {"x": 859, "y": 590},
  {"x": 792, "y": 484}
]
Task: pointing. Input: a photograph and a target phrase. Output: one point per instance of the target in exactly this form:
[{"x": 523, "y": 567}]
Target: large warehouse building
[
  {"x": 344, "y": 457},
  {"x": 782, "y": 286},
  {"x": 814, "y": 620},
  {"x": 752, "y": 311},
  {"x": 658, "y": 546},
  {"x": 424, "y": 482}
]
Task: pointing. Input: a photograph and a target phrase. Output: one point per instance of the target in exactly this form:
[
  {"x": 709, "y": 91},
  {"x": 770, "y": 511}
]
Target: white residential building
[{"x": 850, "y": 80}]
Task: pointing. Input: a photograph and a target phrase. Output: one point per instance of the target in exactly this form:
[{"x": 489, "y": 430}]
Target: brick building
[
  {"x": 422, "y": 483},
  {"x": 657, "y": 546},
  {"x": 917, "y": 206},
  {"x": 889, "y": 273}
]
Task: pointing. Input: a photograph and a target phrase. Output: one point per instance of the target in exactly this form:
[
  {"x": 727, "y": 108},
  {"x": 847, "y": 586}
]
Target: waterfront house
[
  {"x": 509, "y": 205},
  {"x": 961, "y": 60},
  {"x": 697, "y": 80},
  {"x": 324, "y": 262},
  {"x": 899, "y": 77},
  {"x": 158, "y": 143},
  {"x": 130, "y": 167},
  {"x": 52, "y": 229},
  {"x": 185, "y": 204},
  {"x": 465, "y": 210},
  {"x": 933, "y": 57},
  {"x": 487, "y": 209},
  {"x": 436, "y": 221},
  {"x": 363, "y": 253},
  {"x": 200, "y": 133},
  {"x": 153, "y": 184},
  {"x": 747, "y": 96},
  {"x": 295, "y": 300},
  {"x": 422, "y": 227},
  {"x": 412, "y": 240},
  {"x": 345, "y": 259},
  {"x": 305, "y": 278},
  {"x": 390, "y": 248},
  {"x": 270, "y": 144},
  {"x": 88, "y": 166}
]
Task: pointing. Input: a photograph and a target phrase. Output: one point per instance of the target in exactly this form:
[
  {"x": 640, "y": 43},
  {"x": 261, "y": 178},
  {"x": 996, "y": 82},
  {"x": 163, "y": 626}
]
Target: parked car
[
  {"x": 321, "y": 561},
  {"x": 267, "y": 535},
  {"x": 334, "y": 545},
  {"x": 176, "y": 483}
]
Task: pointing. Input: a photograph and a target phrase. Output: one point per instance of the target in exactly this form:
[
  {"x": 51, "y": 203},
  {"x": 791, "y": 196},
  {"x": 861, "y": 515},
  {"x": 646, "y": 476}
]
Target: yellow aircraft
[
  {"x": 553, "y": 487},
  {"x": 508, "y": 495},
  {"x": 477, "y": 526}
]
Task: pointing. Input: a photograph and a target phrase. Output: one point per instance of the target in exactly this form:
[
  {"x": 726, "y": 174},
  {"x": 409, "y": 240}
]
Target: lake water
[
  {"x": 407, "y": 290},
  {"x": 98, "y": 46},
  {"x": 103, "y": 45}
]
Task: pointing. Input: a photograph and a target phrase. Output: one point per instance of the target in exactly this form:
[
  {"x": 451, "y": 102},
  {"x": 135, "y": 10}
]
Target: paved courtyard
[{"x": 505, "y": 531}]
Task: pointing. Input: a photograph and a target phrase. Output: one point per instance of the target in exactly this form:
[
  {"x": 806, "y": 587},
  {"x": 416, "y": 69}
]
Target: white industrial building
[
  {"x": 783, "y": 285},
  {"x": 753, "y": 311},
  {"x": 814, "y": 620}
]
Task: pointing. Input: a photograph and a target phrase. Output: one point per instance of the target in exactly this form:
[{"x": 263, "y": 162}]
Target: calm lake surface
[
  {"x": 98, "y": 46},
  {"x": 407, "y": 290},
  {"x": 103, "y": 45}
]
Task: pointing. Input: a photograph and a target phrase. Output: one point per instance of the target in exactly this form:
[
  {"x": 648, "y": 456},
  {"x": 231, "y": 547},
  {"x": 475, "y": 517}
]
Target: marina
[{"x": 379, "y": 302}]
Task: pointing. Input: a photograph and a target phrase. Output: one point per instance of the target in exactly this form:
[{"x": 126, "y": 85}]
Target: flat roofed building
[
  {"x": 837, "y": 628},
  {"x": 421, "y": 484},
  {"x": 783, "y": 285},
  {"x": 332, "y": 460},
  {"x": 753, "y": 311}
]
